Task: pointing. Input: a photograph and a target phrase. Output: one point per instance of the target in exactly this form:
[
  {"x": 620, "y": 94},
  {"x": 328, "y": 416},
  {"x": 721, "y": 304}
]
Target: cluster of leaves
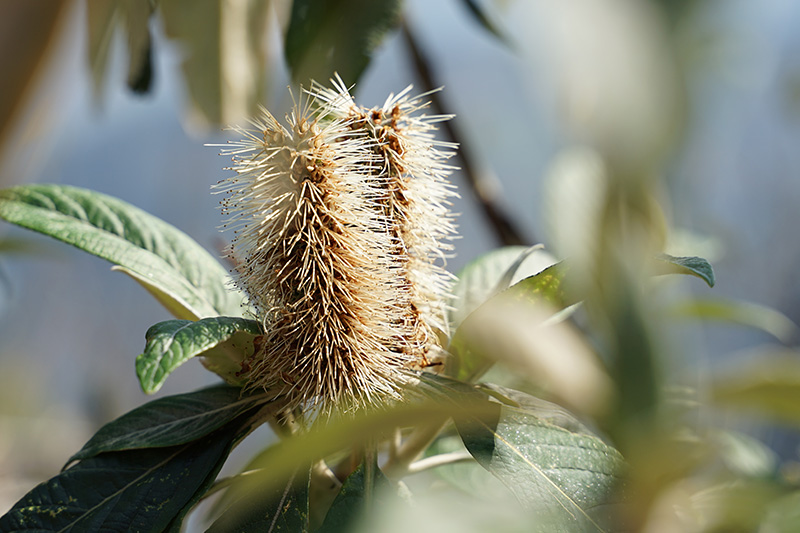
[
  {"x": 631, "y": 454},
  {"x": 148, "y": 468}
]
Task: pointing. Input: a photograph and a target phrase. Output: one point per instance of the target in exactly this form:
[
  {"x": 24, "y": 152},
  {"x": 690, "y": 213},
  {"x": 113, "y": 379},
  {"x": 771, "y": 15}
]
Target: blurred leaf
[
  {"x": 146, "y": 490},
  {"x": 172, "y": 420},
  {"x": 783, "y": 515},
  {"x": 567, "y": 478},
  {"x": 103, "y": 18},
  {"x": 171, "y": 343},
  {"x": 693, "y": 266},
  {"x": 277, "y": 463},
  {"x": 742, "y": 313},
  {"x": 177, "y": 270},
  {"x": 224, "y": 61},
  {"x": 362, "y": 490},
  {"x": 771, "y": 387},
  {"x": 478, "y": 13},
  {"x": 325, "y": 37},
  {"x": 490, "y": 274},
  {"x": 282, "y": 509},
  {"x": 746, "y": 456},
  {"x": 468, "y": 363}
]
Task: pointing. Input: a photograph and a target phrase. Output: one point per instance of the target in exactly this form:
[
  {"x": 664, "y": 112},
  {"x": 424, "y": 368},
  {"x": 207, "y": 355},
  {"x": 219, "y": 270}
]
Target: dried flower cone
[
  {"x": 412, "y": 170},
  {"x": 320, "y": 254}
]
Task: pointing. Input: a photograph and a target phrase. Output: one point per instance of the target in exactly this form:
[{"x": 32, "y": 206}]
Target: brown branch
[{"x": 505, "y": 229}]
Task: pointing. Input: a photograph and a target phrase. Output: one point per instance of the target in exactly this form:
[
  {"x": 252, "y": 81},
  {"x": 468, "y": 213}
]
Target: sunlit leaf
[
  {"x": 172, "y": 420},
  {"x": 279, "y": 509},
  {"x": 326, "y": 37},
  {"x": 144, "y": 490},
  {"x": 567, "y": 478},
  {"x": 693, "y": 266},
  {"x": 183, "y": 275},
  {"x": 741, "y": 313},
  {"x": 492, "y": 273},
  {"x": 170, "y": 344},
  {"x": 467, "y": 362}
]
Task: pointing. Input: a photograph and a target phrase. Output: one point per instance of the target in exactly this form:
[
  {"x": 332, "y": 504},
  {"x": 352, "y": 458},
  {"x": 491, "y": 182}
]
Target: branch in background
[{"x": 505, "y": 229}]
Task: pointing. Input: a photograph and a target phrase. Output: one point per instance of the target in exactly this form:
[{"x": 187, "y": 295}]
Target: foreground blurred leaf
[
  {"x": 182, "y": 275},
  {"x": 325, "y": 37},
  {"x": 358, "y": 495},
  {"x": 147, "y": 490},
  {"x": 693, "y": 266},
  {"x": 281, "y": 509},
  {"x": 741, "y": 313},
  {"x": 172, "y": 420},
  {"x": 771, "y": 387},
  {"x": 278, "y": 462},
  {"x": 492, "y": 273},
  {"x": 172, "y": 343}
]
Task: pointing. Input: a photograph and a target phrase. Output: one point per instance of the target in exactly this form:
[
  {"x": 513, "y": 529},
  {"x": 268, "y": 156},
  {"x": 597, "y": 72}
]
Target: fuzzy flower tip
[{"x": 341, "y": 221}]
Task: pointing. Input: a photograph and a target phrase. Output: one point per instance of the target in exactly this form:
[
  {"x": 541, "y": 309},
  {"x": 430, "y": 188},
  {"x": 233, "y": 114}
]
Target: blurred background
[{"x": 122, "y": 97}]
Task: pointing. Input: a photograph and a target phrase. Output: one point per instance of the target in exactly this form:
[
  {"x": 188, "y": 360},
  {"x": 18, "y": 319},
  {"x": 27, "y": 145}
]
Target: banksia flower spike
[
  {"x": 412, "y": 170},
  {"x": 318, "y": 253}
]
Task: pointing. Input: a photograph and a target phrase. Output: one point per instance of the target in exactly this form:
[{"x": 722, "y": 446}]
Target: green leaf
[
  {"x": 283, "y": 509},
  {"x": 326, "y": 37},
  {"x": 226, "y": 56},
  {"x": 741, "y": 313},
  {"x": 492, "y": 273},
  {"x": 362, "y": 490},
  {"x": 769, "y": 387},
  {"x": 136, "y": 490},
  {"x": 480, "y": 17},
  {"x": 567, "y": 478},
  {"x": 171, "y": 343},
  {"x": 469, "y": 363},
  {"x": 172, "y": 420},
  {"x": 179, "y": 272},
  {"x": 693, "y": 266}
]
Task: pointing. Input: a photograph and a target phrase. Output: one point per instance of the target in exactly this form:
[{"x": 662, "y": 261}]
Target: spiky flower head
[{"x": 336, "y": 248}]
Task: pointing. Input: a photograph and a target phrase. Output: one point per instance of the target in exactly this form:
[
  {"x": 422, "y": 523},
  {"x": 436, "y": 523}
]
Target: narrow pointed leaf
[
  {"x": 325, "y": 37},
  {"x": 172, "y": 343},
  {"x": 155, "y": 253},
  {"x": 742, "y": 313},
  {"x": 172, "y": 420},
  {"x": 481, "y": 18},
  {"x": 768, "y": 388},
  {"x": 137, "y": 490},
  {"x": 281, "y": 509},
  {"x": 693, "y": 266}
]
